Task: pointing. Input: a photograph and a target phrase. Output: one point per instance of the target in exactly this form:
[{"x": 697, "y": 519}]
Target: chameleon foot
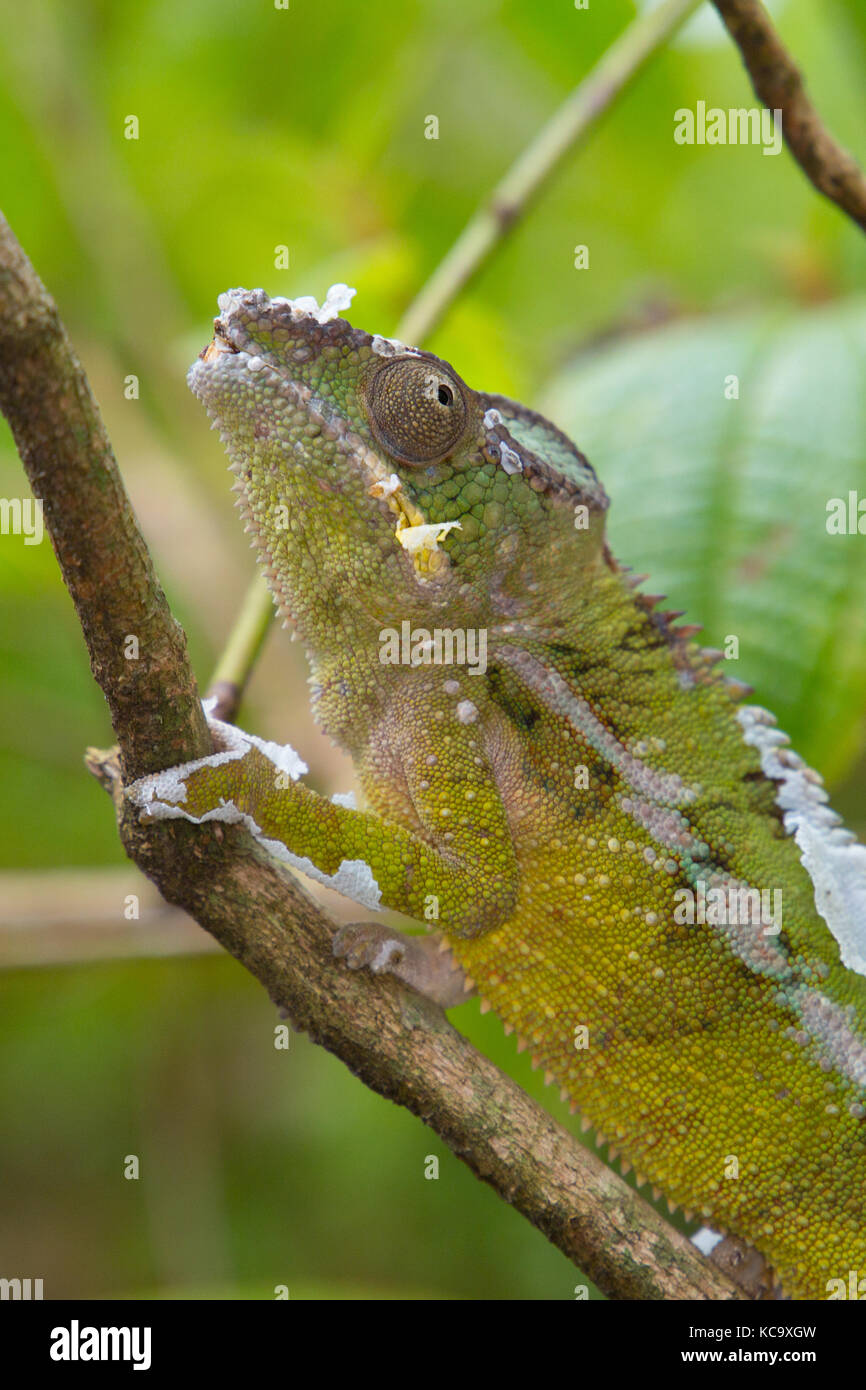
[
  {"x": 418, "y": 962},
  {"x": 746, "y": 1267}
]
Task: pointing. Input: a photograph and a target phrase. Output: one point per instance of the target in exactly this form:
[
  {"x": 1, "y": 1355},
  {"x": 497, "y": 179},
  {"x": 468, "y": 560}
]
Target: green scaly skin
[{"x": 547, "y": 812}]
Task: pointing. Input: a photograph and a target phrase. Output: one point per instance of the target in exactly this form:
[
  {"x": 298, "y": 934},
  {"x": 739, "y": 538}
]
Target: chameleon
[{"x": 627, "y": 861}]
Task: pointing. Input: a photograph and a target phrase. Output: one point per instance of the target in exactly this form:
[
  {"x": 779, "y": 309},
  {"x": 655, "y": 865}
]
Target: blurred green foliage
[{"x": 261, "y": 128}]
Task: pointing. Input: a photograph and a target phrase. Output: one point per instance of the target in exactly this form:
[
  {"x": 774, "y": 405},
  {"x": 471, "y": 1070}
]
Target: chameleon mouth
[
  {"x": 218, "y": 346},
  {"x": 418, "y": 538}
]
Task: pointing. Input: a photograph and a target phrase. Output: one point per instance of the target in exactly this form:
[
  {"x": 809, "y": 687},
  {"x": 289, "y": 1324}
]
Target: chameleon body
[{"x": 614, "y": 846}]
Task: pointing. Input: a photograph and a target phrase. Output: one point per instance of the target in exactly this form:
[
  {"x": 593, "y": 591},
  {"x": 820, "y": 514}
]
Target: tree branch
[
  {"x": 779, "y": 83},
  {"x": 395, "y": 1041},
  {"x": 45, "y": 396}
]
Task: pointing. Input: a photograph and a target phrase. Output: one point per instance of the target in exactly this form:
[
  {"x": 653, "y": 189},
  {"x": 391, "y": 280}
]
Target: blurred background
[{"x": 304, "y": 129}]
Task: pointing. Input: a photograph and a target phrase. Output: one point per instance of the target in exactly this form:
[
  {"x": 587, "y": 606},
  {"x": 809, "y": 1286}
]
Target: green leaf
[{"x": 724, "y": 501}]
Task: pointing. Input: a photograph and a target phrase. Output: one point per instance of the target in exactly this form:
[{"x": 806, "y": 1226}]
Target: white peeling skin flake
[
  {"x": 386, "y": 487},
  {"x": 510, "y": 461},
  {"x": 706, "y": 1240},
  {"x": 234, "y": 743},
  {"x": 833, "y": 860},
  {"x": 426, "y": 536},
  {"x": 838, "y": 872},
  {"x": 338, "y": 298},
  {"x": 354, "y": 878},
  {"x": 170, "y": 785},
  {"x": 390, "y": 347}
]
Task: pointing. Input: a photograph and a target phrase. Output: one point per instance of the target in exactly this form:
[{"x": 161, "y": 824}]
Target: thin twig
[
  {"x": 779, "y": 83},
  {"x": 396, "y": 1042},
  {"x": 487, "y": 229},
  {"x": 241, "y": 651},
  {"x": 52, "y": 917},
  {"x": 512, "y": 196}
]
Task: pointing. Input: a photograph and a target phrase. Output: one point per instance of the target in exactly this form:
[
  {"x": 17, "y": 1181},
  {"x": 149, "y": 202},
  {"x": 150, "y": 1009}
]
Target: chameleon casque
[{"x": 582, "y": 804}]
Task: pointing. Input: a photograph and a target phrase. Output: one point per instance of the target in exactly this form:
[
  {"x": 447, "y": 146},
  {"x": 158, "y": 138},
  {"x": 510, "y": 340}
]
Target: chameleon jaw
[{"x": 418, "y": 537}]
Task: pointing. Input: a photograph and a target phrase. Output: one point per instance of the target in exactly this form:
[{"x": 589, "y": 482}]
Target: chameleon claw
[{"x": 416, "y": 961}]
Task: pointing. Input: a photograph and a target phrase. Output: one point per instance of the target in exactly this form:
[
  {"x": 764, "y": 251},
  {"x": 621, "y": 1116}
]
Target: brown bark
[
  {"x": 106, "y": 567},
  {"x": 779, "y": 83}
]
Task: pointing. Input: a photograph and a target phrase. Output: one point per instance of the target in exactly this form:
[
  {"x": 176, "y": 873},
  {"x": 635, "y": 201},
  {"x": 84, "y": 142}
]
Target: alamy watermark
[
  {"x": 846, "y": 516},
  {"x": 77, "y": 1343},
  {"x": 20, "y": 1289},
  {"x": 22, "y": 516},
  {"x": 444, "y": 646},
  {"x": 853, "y": 1287},
  {"x": 733, "y": 905},
  {"x": 736, "y": 126}
]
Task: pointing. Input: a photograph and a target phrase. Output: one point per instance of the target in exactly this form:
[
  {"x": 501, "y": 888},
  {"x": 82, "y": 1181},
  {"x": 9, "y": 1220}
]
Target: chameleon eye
[{"x": 417, "y": 409}]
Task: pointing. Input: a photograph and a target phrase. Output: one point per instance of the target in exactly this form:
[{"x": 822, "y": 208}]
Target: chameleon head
[{"x": 374, "y": 465}]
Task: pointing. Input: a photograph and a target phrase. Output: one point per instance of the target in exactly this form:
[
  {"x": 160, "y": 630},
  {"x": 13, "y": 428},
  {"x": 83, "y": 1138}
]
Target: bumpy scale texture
[{"x": 551, "y": 807}]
